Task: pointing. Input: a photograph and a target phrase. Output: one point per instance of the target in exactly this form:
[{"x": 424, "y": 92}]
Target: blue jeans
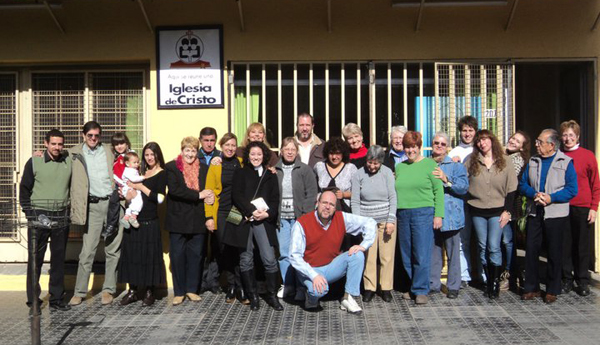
[
  {"x": 415, "y": 234},
  {"x": 465, "y": 247},
  {"x": 489, "y": 235},
  {"x": 284, "y": 237},
  {"x": 507, "y": 241},
  {"x": 350, "y": 266}
]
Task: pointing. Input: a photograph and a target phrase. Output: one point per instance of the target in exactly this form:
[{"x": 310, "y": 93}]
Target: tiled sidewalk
[{"x": 470, "y": 319}]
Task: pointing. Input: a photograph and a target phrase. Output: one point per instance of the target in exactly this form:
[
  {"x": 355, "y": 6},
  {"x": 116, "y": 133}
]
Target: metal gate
[
  {"x": 8, "y": 155},
  {"x": 482, "y": 91}
]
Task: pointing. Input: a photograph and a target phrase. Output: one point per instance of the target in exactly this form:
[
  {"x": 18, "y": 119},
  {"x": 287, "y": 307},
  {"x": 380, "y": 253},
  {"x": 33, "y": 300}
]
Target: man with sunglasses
[{"x": 91, "y": 186}]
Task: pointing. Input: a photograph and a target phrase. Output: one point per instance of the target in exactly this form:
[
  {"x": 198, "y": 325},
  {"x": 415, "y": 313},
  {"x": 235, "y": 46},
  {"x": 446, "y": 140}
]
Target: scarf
[
  {"x": 360, "y": 153},
  {"x": 190, "y": 172}
]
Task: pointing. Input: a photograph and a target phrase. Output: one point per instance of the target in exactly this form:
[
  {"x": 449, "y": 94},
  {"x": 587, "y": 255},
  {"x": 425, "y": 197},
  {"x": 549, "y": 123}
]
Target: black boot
[
  {"x": 249, "y": 282},
  {"x": 272, "y": 286},
  {"x": 490, "y": 280},
  {"x": 494, "y": 281}
]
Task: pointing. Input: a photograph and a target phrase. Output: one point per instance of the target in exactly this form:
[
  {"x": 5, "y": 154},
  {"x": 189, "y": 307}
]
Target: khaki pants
[
  {"x": 112, "y": 249},
  {"x": 383, "y": 249}
]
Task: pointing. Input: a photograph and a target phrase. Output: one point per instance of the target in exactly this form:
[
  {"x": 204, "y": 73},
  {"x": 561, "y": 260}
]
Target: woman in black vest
[
  {"x": 256, "y": 196},
  {"x": 186, "y": 221}
]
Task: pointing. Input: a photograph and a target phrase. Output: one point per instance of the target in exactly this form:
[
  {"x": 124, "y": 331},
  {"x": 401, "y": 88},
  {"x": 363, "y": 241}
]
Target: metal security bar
[
  {"x": 58, "y": 102},
  {"x": 117, "y": 102},
  {"x": 8, "y": 155},
  {"x": 482, "y": 91}
]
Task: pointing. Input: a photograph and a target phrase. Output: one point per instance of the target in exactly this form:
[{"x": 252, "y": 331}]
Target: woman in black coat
[
  {"x": 186, "y": 220},
  {"x": 259, "y": 225}
]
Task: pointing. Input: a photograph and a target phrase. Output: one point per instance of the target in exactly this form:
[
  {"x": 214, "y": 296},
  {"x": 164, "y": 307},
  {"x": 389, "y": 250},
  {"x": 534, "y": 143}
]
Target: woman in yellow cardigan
[{"x": 219, "y": 179}]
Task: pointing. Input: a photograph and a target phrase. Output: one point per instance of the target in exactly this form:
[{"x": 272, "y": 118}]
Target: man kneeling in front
[{"x": 315, "y": 251}]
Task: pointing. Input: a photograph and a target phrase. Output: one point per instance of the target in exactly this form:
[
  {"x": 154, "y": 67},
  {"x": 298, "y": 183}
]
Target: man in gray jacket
[
  {"x": 549, "y": 182},
  {"x": 91, "y": 186}
]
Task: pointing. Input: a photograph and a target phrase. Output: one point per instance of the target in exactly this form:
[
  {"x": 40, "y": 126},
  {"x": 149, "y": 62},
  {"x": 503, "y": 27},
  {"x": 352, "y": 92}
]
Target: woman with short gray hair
[
  {"x": 374, "y": 195},
  {"x": 396, "y": 150}
]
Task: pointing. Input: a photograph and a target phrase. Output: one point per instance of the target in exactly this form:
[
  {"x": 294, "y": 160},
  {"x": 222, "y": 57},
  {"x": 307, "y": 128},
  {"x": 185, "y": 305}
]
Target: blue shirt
[
  {"x": 561, "y": 196},
  {"x": 207, "y": 156},
  {"x": 399, "y": 157},
  {"x": 453, "y": 204},
  {"x": 354, "y": 224},
  {"x": 98, "y": 171}
]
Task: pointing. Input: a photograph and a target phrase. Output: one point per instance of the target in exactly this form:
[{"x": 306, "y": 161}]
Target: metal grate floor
[{"x": 470, "y": 319}]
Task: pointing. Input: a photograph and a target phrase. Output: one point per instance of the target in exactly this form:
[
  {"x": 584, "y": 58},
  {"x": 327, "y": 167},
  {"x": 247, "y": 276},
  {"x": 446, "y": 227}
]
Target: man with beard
[{"x": 311, "y": 147}]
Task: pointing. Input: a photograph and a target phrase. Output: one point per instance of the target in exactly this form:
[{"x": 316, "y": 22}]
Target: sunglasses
[
  {"x": 93, "y": 136},
  {"x": 439, "y": 143}
]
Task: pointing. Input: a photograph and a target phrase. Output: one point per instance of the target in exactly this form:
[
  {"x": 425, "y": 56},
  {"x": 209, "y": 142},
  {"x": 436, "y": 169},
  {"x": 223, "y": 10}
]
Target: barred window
[{"x": 8, "y": 158}]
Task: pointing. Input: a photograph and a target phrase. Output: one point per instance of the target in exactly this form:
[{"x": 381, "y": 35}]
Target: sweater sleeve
[
  {"x": 213, "y": 182},
  {"x": 158, "y": 193},
  {"x": 355, "y": 199},
  {"x": 524, "y": 187},
  {"x": 570, "y": 189},
  {"x": 438, "y": 195},
  {"x": 594, "y": 182},
  {"x": 459, "y": 179},
  {"x": 310, "y": 189},
  {"x": 26, "y": 185},
  {"x": 389, "y": 179}
]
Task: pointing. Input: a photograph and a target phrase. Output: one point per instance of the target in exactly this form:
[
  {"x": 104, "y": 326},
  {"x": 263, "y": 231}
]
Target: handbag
[{"x": 235, "y": 216}]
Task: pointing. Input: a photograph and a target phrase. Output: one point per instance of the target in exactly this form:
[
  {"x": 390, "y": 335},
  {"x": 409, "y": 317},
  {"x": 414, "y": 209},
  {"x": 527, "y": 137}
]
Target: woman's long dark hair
[
  {"x": 158, "y": 155},
  {"x": 497, "y": 152},
  {"x": 265, "y": 150}
]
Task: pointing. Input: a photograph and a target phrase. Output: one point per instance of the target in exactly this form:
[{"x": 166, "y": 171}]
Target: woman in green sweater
[{"x": 420, "y": 210}]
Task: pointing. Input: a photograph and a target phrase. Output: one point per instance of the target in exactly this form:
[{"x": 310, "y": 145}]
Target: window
[
  {"x": 8, "y": 158},
  {"x": 426, "y": 97},
  {"x": 68, "y": 100}
]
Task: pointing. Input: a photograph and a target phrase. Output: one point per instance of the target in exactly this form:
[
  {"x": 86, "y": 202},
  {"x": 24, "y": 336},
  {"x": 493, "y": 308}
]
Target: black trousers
[
  {"x": 223, "y": 259},
  {"x": 114, "y": 210},
  {"x": 58, "y": 243},
  {"x": 577, "y": 246},
  {"x": 552, "y": 230},
  {"x": 187, "y": 253}
]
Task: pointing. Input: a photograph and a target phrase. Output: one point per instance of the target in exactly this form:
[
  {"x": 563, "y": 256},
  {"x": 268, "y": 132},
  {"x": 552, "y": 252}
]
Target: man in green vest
[{"x": 44, "y": 188}]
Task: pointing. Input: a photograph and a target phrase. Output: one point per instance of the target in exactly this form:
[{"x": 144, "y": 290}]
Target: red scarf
[
  {"x": 360, "y": 153},
  {"x": 190, "y": 172}
]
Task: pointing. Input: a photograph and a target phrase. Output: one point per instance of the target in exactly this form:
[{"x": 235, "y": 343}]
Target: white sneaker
[
  {"x": 350, "y": 305},
  {"x": 280, "y": 292}
]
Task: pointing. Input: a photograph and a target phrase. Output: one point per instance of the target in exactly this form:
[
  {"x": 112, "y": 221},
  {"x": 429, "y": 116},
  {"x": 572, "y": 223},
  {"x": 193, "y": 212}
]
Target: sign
[{"x": 190, "y": 67}]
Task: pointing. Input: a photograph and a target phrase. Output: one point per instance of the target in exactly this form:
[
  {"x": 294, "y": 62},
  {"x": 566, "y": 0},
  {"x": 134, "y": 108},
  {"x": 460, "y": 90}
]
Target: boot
[
  {"x": 230, "y": 295},
  {"x": 272, "y": 280},
  {"x": 242, "y": 296},
  {"x": 493, "y": 281},
  {"x": 490, "y": 281},
  {"x": 249, "y": 282}
]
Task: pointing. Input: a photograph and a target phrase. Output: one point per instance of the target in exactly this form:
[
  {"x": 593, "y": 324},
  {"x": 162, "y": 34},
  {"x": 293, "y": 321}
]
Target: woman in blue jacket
[{"x": 456, "y": 183}]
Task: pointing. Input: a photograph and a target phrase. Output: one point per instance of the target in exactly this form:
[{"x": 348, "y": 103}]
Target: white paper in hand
[{"x": 260, "y": 204}]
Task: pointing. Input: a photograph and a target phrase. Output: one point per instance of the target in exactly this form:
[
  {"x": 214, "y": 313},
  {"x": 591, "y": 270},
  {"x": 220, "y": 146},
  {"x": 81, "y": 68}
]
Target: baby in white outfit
[{"x": 131, "y": 173}]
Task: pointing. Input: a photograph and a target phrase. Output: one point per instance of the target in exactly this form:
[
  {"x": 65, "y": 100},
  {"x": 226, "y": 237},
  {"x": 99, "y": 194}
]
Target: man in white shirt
[
  {"x": 311, "y": 147},
  {"x": 315, "y": 251}
]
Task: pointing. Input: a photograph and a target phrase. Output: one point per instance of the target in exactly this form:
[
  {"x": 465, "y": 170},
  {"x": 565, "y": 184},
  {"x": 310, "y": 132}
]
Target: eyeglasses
[
  {"x": 539, "y": 142},
  {"x": 93, "y": 136},
  {"x": 440, "y": 143}
]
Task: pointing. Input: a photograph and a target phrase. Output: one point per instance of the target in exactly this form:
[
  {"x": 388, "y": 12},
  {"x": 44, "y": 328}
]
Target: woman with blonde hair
[
  {"x": 256, "y": 132},
  {"x": 354, "y": 137}
]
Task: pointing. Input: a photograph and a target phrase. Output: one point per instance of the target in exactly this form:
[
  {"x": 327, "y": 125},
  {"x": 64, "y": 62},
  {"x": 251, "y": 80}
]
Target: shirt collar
[
  {"x": 88, "y": 150},
  {"x": 47, "y": 157}
]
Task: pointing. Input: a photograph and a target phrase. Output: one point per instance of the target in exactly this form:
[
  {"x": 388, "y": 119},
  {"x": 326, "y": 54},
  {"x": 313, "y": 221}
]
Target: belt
[{"x": 92, "y": 199}]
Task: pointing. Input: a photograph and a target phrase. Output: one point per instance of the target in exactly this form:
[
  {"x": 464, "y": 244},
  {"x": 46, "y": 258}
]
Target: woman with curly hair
[
  {"x": 336, "y": 172},
  {"x": 255, "y": 194},
  {"x": 492, "y": 188}
]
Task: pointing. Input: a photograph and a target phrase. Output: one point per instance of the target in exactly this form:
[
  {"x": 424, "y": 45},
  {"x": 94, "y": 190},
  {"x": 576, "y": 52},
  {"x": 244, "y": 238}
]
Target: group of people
[{"x": 319, "y": 212}]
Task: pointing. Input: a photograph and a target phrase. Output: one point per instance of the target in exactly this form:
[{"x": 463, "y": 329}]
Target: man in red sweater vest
[{"x": 315, "y": 251}]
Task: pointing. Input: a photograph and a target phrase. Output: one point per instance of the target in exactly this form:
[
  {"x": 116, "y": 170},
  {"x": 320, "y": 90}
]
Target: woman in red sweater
[{"x": 577, "y": 248}]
